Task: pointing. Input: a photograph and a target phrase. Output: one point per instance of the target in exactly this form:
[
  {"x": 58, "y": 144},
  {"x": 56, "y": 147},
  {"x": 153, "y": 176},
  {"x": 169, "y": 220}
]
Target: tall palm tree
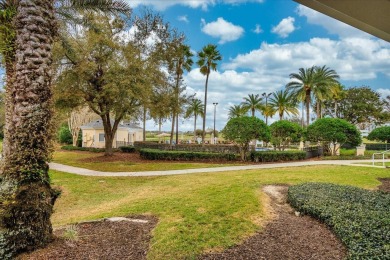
[
  {"x": 237, "y": 111},
  {"x": 284, "y": 103},
  {"x": 253, "y": 103},
  {"x": 26, "y": 197},
  {"x": 302, "y": 85},
  {"x": 195, "y": 108},
  {"x": 268, "y": 111},
  {"x": 326, "y": 85},
  {"x": 208, "y": 58}
]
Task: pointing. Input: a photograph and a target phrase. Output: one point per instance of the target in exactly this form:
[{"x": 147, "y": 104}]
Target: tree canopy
[
  {"x": 333, "y": 130},
  {"x": 242, "y": 130},
  {"x": 283, "y": 132},
  {"x": 380, "y": 134}
]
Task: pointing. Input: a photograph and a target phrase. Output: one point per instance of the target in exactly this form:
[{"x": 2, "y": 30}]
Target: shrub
[
  {"x": 89, "y": 149},
  {"x": 276, "y": 156},
  {"x": 284, "y": 132},
  {"x": 127, "y": 149},
  {"x": 360, "y": 218},
  {"x": 64, "y": 135},
  {"x": 153, "y": 154},
  {"x": 380, "y": 134}
]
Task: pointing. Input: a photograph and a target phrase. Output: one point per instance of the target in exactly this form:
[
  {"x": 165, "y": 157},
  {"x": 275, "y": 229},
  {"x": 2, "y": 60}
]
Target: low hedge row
[
  {"x": 360, "y": 218},
  {"x": 76, "y": 148},
  {"x": 276, "y": 156},
  {"x": 154, "y": 154},
  {"x": 219, "y": 148},
  {"x": 127, "y": 149}
]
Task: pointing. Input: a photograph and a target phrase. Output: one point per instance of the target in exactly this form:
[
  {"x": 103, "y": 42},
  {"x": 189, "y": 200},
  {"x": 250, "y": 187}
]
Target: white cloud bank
[
  {"x": 285, "y": 27},
  {"x": 224, "y": 30}
]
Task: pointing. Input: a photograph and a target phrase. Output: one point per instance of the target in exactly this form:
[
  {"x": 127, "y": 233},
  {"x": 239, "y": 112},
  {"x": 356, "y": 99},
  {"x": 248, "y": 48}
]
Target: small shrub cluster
[
  {"x": 127, "y": 149},
  {"x": 153, "y": 154},
  {"x": 360, "y": 218},
  {"x": 188, "y": 147},
  {"x": 378, "y": 147},
  {"x": 89, "y": 149},
  {"x": 277, "y": 156}
]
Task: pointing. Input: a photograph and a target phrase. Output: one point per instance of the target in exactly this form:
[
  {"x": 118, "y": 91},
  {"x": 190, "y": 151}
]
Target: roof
[
  {"x": 369, "y": 16},
  {"x": 98, "y": 124}
]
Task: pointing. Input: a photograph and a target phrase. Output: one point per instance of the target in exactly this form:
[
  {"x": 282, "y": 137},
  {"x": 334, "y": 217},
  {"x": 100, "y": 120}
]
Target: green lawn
[
  {"x": 197, "y": 212},
  {"x": 77, "y": 159}
]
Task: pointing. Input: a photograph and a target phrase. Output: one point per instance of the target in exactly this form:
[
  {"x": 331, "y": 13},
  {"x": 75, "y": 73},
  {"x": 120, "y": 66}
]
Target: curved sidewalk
[{"x": 86, "y": 172}]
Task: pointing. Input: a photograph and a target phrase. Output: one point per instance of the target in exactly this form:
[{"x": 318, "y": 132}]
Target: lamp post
[
  {"x": 215, "y": 110},
  {"x": 266, "y": 104}
]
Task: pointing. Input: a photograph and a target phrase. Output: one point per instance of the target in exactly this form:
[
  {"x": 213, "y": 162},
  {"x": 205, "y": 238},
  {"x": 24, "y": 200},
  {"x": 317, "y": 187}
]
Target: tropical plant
[
  {"x": 253, "y": 103},
  {"x": 242, "y": 130},
  {"x": 283, "y": 102},
  {"x": 315, "y": 81},
  {"x": 208, "y": 58},
  {"x": 268, "y": 111},
  {"x": 237, "y": 111},
  {"x": 195, "y": 108}
]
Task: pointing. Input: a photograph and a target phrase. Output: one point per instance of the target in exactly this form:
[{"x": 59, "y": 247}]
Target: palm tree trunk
[
  {"x": 9, "y": 100},
  {"x": 318, "y": 109},
  {"x": 205, "y": 106},
  {"x": 307, "y": 108},
  {"x": 195, "y": 116},
  {"x": 172, "y": 128},
  {"x": 144, "y": 124},
  {"x": 177, "y": 128},
  {"x": 26, "y": 197}
]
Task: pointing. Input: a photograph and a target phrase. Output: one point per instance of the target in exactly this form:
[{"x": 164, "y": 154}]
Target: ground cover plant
[
  {"x": 196, "y": 212},
  {"x": 124, "y": 162},
  {"x": 360, "y": 218}
]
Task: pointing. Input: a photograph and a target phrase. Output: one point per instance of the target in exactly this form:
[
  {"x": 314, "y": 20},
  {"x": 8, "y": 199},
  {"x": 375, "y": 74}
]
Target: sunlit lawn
[
  {"x": 197, "y": 212},
  {"x": 78, "y": 158}
]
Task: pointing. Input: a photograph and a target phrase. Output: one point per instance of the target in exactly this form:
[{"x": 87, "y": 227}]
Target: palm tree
[
  {"x": 283, "y": 102},
  {"x": 195, "y": 108},
  {"x": 181, "y": 60},
  {"x": 237, "y": 111},
  {"x": 268, "y": 111},
  {"x": 26, "y": 197},
  {"x": 253, "y": 103},
  {"x": 208, "y": 58}
]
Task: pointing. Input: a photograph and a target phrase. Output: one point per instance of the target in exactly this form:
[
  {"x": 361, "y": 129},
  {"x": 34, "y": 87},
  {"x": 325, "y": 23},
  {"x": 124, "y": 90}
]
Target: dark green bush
[
  {"x": 127, "y": 149},
  {"x": 153, "y": 154},
  {"x": 276, "y": 156},
  {"x": 89, "y": 149},
  {"x": 360, "y": 218},
  {"x": 64, "y": 135},
  {"x": 378, "y": 147}
]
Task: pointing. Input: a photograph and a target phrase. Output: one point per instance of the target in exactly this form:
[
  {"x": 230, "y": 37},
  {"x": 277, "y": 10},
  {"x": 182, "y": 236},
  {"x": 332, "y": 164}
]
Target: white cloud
[
  {"x": 257, "y": 29},
  {"x": 222, "y": 29},
  {"x": 203, "y": 4},
  {"x": 332, "y": 25},
  {"x": 285, "y": 27},
  {"x": 183, "y": 18}
]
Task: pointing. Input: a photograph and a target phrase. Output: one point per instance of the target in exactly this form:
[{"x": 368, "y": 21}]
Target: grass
[
  {"x": 76, "y": 158},
  {"x": 197, "y": 212}
]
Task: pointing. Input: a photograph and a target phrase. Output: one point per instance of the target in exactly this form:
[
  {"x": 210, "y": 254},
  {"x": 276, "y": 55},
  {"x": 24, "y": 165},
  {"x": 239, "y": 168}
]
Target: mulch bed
[
  {"x": 100, "y": 240},
  {"x": 385, "y": 186},
  {"x": 286, "y": 237}
]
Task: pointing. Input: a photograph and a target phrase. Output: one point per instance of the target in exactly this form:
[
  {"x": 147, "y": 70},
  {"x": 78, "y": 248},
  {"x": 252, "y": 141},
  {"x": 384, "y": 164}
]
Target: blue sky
[{"x": 262, "y": 42}]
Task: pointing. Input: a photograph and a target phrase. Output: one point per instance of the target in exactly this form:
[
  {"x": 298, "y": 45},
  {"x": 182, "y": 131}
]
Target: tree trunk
[
  {"x": 205, "y": 106},
  {"x": 195, "y": 115},
  {"x": 177, "y": 128},
  {"x": 318, "y": 109},
  {"x": 172, "y": 128},
  {"x": 9, "y": 100},
  {"x": 26, "y": 197},
  {"x": 307, "y": 108},
  {"x": 144, "y": 125}
]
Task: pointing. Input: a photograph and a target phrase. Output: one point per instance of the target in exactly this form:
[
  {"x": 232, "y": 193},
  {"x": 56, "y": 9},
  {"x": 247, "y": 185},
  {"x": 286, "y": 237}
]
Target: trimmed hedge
[
  {"x": 377, "y": 146},
  {"x": 217, "y": 148},
  {"x": 360, "y": 218},
  {"x": 127, "y": 149},
  {"x": 89, "y": 149},
  {"x": 276, "y": 156},
  {"x": 153, "y": 154}
]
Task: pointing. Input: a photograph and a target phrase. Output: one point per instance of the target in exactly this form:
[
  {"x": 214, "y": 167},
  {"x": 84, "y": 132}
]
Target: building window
[{"x": 101, "y": 137}]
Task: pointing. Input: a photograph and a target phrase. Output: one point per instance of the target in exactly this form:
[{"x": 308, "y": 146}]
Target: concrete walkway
[{"x": 86, "y": 172}]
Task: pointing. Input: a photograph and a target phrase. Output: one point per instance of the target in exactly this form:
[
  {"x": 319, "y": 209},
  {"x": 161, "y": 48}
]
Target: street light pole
[
  {"x": 266, "y": 104},
  {"x": 215, "y": 110}
]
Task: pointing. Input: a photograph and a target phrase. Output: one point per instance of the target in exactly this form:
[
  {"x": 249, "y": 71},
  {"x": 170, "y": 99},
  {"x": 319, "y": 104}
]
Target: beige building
[{"x": 93, "y": 134}]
